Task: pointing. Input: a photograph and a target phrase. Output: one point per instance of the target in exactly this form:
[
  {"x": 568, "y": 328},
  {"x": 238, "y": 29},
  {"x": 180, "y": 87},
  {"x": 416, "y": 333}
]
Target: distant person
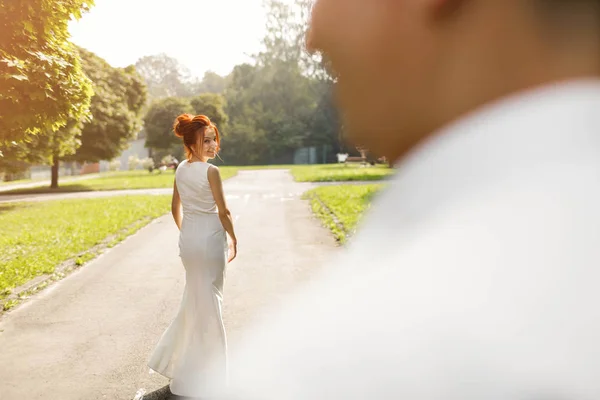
[
  {"x": 476, "y": 274},
  {"x": 196, "y": 338}
]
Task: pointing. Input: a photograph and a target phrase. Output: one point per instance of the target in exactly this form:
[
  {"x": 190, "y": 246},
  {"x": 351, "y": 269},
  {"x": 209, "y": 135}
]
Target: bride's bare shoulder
[{"x": 213, "y": 172}]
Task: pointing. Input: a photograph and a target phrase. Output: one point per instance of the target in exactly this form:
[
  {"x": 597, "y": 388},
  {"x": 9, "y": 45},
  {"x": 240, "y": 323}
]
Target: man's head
[{"x": 407, "y": 67}]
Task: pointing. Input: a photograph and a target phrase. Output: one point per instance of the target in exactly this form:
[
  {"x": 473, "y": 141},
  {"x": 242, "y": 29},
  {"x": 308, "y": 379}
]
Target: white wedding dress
[{"x": 192, "y": 351}]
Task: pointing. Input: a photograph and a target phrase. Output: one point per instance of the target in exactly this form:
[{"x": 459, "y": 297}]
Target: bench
[
  {"x": 361, "y": 160},
  {"x": 345, "y": 159}
]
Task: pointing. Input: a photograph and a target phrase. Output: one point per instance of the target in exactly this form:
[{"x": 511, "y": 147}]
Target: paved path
[{"x": 89, "y": 336}]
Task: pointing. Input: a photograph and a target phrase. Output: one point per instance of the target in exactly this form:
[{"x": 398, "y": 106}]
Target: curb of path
[
  {"x": 37, "y": 284},
  {"x": 331, "y": 214}
]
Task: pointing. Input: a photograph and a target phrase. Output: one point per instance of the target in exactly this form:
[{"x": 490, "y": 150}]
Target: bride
[{"x": 192, "y": 351}]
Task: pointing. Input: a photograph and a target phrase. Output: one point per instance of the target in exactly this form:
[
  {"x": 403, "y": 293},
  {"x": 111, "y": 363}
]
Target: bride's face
[{"x": 209, "y": 144}]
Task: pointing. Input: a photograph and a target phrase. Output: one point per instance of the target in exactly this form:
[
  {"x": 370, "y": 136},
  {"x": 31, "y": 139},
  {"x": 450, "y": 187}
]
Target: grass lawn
[
  {"x": 36, "y": 237},
  {"x": 341, "y": 207},
  {"x": 122, "y": 180},
  {"x": 339, "y": 172}
]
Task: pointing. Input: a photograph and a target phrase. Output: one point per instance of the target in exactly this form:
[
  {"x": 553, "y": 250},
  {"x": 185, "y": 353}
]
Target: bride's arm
[
  {"x": 176, "y": 206},
  {"x": 216, "y": 185}
]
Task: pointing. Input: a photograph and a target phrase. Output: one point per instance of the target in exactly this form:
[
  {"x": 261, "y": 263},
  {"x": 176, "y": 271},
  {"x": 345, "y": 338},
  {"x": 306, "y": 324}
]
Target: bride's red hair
[{"x": 188, "y": 127}]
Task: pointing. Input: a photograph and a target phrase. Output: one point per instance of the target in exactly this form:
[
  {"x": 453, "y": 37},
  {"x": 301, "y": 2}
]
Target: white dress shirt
[{"x": 475, "y": 276}]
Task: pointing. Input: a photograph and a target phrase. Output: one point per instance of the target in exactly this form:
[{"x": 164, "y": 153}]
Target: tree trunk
[{"x": 55, "y": 163}]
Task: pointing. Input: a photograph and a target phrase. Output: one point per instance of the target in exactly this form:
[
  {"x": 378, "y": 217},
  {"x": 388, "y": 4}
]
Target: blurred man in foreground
[{"x": 477, "y": 273}]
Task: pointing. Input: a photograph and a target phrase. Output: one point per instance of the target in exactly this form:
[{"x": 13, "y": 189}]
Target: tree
[
  {"x": 270, "y": 108},
  {"x": 287, "y": 25},
  {"x": 46, "y": 148},
  {"x": 325, "y": 123},
  {"x": 244, "y": 141},
  {"x": 282, "y": 103},
  {"x": 213, "y": 106},
  {"x": 164, "y": 77},
  {"x": 62, "y": 143},
  {"x": 284, "y": 51},
  {"x": 120, "y": 95},
  {"x": 42, "y": 85},
  {"x": 159, "y": 120},
  {"x": 211, "y": 83}
]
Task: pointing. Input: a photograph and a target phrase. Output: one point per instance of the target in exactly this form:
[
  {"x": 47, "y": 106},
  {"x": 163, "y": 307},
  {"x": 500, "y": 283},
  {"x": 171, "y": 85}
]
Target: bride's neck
[{"x": 197, "y": 159}]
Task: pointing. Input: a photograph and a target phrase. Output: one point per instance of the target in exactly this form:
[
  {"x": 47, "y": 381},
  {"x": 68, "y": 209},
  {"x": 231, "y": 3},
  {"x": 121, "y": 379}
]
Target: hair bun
[{"x": 180, "y": 123}]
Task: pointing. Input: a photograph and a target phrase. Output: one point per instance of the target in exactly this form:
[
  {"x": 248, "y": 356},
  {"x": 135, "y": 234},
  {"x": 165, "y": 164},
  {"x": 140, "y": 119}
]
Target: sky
[{"x": 203, "y": 35}]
